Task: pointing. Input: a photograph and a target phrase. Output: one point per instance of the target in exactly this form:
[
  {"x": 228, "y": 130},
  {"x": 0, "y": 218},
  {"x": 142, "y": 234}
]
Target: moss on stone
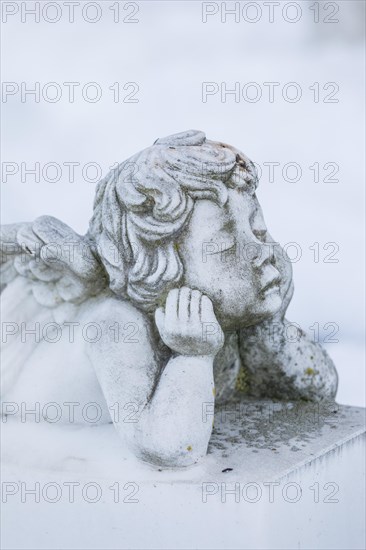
[
  {"x": 242, "y": 381},
  {"x": 309, "y": 371}
]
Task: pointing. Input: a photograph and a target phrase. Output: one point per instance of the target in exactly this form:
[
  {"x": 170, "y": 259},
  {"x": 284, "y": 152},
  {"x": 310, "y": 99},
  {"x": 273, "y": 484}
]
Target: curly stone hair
[{"x": 141, "y": 207}]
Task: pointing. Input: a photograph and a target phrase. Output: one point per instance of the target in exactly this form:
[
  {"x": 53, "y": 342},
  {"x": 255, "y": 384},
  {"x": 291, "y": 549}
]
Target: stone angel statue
[{"x": 176, "y": 286}]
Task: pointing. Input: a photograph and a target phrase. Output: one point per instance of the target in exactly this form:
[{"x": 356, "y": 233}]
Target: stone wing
[{"x": 61, "y": 265}]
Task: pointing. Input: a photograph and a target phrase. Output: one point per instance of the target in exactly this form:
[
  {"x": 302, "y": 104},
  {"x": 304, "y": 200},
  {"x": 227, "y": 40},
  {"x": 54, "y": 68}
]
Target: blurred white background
[{"x": 169, "y": 52}]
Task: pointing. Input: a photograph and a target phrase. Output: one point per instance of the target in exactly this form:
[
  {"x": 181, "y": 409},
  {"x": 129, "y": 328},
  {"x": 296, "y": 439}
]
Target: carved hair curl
[{"x": 141, "y": 207}]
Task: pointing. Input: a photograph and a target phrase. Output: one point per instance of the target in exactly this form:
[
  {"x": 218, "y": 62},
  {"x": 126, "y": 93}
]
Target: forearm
[
  {"x": 175, "y": 427},
  {"x": 284, "y": 363}
]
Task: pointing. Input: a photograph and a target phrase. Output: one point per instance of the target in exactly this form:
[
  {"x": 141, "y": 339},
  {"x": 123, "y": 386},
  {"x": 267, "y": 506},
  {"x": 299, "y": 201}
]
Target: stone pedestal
[{"x": 276, "y": 475}]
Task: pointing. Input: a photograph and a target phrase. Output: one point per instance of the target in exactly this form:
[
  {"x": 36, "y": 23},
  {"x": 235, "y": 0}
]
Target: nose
[
  {"x": 265, "y": 246},
  {"x": 257, "y": 222},
  {"x": 266, "y": 255},
  {"x": 259, "y": 252}
]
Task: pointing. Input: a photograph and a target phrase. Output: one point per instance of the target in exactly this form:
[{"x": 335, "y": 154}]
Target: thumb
[{"x": 160, "y": 319}]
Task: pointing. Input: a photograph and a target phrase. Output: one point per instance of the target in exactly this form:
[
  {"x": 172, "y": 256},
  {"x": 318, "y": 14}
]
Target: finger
[
  {"x": 184, "y": 303},
  {"x": 195, "y": 305},
  {"x": 171, "y": 306},
  {"x": 207, "y": 311},
  {"x": 160, "y": 319}
]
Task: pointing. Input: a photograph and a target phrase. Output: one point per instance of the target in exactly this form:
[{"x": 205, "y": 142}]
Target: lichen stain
[
  {"x": 309, "y": 371},
  {"x": 242, "y": 381}
]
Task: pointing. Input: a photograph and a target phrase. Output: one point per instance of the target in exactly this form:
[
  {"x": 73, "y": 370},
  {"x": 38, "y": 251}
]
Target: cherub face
[{"x": 225, "y": 256}]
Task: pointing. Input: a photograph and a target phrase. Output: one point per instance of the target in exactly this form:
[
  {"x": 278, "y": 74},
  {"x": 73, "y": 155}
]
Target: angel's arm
[
  {"x": 280, "y": 358},
  {"x": 165, "y": 411},
  {"x": 284, "y": 363}
]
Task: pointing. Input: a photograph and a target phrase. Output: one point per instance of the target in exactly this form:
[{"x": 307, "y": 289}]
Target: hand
[{"x": 188, "y": 325}]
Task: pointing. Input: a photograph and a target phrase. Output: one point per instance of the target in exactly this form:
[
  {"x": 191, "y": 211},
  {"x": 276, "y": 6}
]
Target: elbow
[
  {"x": 330, "y": 377},
  {"x": 179, "y": 457},
  {"x": 171, "y": 448},
  {"x": 333, "y": 382}
]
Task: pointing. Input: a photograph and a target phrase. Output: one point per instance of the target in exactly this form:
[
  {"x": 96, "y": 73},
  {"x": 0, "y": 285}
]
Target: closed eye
[
  {"x": 230, "y": 247},
  {"x": 223, "y": 248}
]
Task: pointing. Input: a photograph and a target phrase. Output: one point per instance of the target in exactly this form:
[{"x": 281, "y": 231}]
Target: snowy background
[{"x": 168, "y": 52}]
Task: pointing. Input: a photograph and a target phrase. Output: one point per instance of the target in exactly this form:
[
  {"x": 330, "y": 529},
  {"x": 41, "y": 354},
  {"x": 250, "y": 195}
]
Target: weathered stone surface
[
  {"x": 179, "y": 257},
  {"x": 256, "y": 439},
  {"x": 312, "y": 457}
]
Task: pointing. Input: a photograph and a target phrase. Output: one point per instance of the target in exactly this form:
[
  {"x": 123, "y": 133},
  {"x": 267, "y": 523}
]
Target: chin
[
  {"x": 264, "y": 309},
  {"x": 273, "y": 302}
]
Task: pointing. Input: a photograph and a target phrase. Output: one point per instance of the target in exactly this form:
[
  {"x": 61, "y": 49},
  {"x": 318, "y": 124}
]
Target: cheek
[
  {"x": 224, "y": 273},
  {"x": 230, "y": 281},
  {"x": 231, "y": 285}
]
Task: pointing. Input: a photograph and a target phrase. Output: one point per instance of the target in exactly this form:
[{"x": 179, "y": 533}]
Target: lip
[{"x": 271, "y": 285}]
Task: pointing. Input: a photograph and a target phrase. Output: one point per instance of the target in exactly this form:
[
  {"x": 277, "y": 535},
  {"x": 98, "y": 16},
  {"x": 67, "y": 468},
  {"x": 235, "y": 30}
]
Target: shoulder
[
  {"x": 120, "y": 329},
  {"x": 108, "y": 308}
]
